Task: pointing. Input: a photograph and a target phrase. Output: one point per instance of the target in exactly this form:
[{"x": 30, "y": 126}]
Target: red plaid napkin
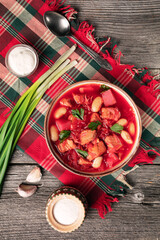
[{"x": 22, "y": 22}]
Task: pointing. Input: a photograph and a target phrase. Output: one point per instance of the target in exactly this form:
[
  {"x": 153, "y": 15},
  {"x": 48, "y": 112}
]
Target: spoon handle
[{"x": 103, "y": 63}]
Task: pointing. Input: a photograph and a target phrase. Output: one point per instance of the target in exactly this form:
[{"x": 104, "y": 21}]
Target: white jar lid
[{"x": 65, "y": 212}]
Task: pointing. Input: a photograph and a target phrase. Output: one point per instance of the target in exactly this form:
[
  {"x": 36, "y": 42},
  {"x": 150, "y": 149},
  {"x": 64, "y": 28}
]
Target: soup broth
[{"x": 93, "y": 128}]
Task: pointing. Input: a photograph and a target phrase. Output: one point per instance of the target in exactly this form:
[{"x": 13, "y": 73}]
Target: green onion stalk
[{"x": 13, "y": 127}]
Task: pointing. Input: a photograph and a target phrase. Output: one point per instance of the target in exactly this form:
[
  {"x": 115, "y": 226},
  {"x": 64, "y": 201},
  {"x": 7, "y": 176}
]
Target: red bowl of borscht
[{"x": 93, "y": 128}]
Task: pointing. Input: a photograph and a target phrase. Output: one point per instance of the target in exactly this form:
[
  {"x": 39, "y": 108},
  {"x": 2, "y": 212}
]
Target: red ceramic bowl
[{"x": 133, "y": 150}]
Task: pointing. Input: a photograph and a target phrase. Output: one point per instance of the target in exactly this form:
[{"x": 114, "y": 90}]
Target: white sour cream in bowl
[{"x": 22, "y": 60}]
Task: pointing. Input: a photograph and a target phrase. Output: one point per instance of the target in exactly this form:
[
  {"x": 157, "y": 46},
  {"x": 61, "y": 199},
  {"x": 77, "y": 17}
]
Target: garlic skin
[
  {"x": 34, "y": 176},
  {"x": 25, "y": 190}
]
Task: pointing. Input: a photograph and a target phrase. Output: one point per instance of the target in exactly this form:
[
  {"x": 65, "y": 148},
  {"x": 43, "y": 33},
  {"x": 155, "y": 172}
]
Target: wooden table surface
[{"x": 136, "y": 26}]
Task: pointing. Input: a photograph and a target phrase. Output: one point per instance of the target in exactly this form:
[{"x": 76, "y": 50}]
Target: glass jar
[{"x": 22, "y": 60}]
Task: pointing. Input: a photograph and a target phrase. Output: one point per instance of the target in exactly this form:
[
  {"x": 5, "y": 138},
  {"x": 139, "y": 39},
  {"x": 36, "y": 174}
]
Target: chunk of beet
[
  {"x": 108, "y": 98},
  {"x": 111, "y": 159},
  {"x": 63, "y": 124},
  {"x": 77, "y": 124}
]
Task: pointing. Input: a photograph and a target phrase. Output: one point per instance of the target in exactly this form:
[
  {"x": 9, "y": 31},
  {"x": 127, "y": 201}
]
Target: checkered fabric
[{"x": 21, "y": 21}]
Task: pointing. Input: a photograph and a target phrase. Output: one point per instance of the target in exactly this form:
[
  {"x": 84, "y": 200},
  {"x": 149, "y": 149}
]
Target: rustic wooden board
[
  {"x": 25, "y": 218},
  {"x": 136, "y": 24}
]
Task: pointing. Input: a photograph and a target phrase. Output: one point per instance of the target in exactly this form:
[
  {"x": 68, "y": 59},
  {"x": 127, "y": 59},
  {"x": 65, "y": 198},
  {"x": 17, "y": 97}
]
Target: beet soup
[{"x": 93, "y": 127}]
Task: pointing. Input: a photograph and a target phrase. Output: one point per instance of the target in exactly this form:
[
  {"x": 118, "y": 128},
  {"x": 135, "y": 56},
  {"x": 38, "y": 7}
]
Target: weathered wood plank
[
  {"x": 27, "y": 216},
  {"x": 135, "y": 24},
  {"x": 146, "y": 176},
  {"x": 25, "y": 219}
]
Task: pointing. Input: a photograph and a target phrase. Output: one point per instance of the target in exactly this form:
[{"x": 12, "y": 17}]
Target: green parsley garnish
[
  {"x": 94, "y": 125},
  {"x": 78, "y": 114},
  {"x": 116, "y": 128},
  {"x": 104, "y": 88},
  {"x": 84, "y": 154},
  {"x": 63, "y": 135}
]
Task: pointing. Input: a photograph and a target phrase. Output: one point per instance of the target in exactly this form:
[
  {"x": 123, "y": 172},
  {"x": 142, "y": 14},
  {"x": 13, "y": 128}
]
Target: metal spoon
[{"x": 60, "y": 26}]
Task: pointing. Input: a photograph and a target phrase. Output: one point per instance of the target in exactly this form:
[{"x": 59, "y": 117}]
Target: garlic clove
[
  {"x": 25, "y": 190},
  {"x": 34, "y": 176}
]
